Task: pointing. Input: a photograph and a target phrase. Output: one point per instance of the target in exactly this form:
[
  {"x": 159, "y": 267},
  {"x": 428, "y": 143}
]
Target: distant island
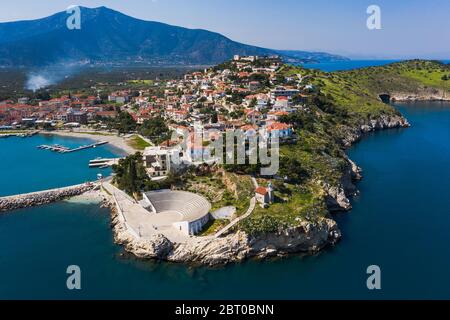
[{"x": 214, "y": 213}]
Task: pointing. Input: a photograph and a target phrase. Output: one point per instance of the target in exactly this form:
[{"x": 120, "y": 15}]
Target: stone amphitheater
[{"x": 187, "y": 212}]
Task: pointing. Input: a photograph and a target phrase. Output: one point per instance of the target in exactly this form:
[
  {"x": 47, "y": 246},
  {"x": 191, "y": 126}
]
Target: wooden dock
[{"x": 61, "y": 149}]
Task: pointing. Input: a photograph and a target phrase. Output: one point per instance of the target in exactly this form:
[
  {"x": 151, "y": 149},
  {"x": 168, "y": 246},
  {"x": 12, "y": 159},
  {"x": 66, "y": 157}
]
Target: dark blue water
[
  {"x": 400, "y": 222},
  {"x": 24, "y": 168},
  {"x": 350, "y": 65}
]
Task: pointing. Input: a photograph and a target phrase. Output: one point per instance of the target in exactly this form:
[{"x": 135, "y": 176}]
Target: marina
[{"x": 62, "y": 149}]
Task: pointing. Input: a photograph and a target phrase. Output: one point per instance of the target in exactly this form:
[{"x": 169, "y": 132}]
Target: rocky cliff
[
  {"x": 354, "y": 134},
  {"x": 337, "y": 197},
  {"x": 421, "y": 94},
  {"x": 306, "y": 237}
]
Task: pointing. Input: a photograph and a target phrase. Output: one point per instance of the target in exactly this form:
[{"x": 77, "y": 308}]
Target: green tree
[
  {"x": 214, "y": 117},
  {"x": 155, "y": 129}
]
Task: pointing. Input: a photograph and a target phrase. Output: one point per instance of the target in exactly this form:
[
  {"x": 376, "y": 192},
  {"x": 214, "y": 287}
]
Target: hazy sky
[{"x": 410, "y": 28}]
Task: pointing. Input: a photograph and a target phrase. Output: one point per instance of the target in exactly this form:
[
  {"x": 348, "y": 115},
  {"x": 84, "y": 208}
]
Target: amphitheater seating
[{"x": 191, "y": 206}]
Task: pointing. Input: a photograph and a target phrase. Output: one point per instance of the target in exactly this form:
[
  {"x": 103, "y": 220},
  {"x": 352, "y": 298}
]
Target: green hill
[{"x": 344, "y": 106}]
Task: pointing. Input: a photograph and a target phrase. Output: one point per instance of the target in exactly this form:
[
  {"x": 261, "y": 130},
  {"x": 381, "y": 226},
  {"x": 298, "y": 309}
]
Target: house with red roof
[{"x": 279, "y": 129}]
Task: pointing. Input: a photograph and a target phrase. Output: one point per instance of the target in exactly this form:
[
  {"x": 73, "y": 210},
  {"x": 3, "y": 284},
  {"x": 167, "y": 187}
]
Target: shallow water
[{"x": 24, "y": 168}]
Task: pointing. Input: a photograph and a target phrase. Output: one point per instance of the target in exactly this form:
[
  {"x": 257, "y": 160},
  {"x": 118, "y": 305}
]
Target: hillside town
[{"x": 245, "y": 93}]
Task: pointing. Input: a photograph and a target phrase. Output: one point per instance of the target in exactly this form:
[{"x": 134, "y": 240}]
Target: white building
[
  {"x": 265, "y": 196},
  {"x": 157, "y": 161},
  {"x": 282, "y": 92},
  {"x": 186, "y": 212}
]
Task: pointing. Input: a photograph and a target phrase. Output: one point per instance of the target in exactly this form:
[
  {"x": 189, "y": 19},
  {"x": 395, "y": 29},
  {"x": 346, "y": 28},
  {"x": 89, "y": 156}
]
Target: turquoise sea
[
  {"x": 350, "y": 64},
  {"x": 400, "y": 222},
  {"x": 24, "y": 168}
]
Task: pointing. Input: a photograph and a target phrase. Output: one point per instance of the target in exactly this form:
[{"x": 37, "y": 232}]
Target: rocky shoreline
[
  {"x": 307, "y": 237},
  {"x": 424, "y": 94},
  {"x": 34, "y": 199},
  {"x": 354, "y": 134},
  {"x": 338, "y": 195},
  {"x": 236, "y": 247}
]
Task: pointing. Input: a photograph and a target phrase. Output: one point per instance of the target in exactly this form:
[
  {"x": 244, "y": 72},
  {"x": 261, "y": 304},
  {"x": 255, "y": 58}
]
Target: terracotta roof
[
  {"x": 278, "y": 126},
  {"x": 249, "y": 127},
  {"x": 262, "y": 191}
]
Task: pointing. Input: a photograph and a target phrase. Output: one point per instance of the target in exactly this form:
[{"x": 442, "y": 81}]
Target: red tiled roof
[
  {"x": 262, "y": 191},
  {"x": 278, "y": 126},
  {"x": 249, "y": 127}
]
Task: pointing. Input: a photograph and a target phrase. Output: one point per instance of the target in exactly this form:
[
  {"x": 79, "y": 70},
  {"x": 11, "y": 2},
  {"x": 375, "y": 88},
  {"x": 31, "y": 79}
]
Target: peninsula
[{"x": 168, "y": 205}]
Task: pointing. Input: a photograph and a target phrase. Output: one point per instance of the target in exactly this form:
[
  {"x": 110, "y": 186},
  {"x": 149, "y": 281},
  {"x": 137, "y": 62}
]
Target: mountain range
[{"x": 110, "y": 37}]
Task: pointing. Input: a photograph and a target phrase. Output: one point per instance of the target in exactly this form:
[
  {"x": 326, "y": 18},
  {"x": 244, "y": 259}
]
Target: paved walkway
[
  {"x": 142, "y": 223},
  {"x": 236, "y": 221},
  {"x": 245, "y": 216}
]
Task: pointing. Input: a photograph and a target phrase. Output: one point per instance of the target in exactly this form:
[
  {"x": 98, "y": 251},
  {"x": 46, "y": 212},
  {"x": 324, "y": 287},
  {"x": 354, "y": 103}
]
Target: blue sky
[{"x": 410, "y": 28}]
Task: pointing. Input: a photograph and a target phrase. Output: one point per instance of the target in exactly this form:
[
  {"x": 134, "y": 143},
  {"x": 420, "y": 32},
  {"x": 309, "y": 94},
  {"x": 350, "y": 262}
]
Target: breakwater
[{"x": 43, "y": 197}]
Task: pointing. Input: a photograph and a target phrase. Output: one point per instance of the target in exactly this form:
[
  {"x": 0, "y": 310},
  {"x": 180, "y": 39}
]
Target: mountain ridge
[{"x": 110, "y": 37}]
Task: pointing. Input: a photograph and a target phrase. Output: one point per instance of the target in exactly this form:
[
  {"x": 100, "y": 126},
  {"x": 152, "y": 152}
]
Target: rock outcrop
[
  {"x": 235, "y": 247},
  {"x": 44, "y": 197},
  {"x": 354, "y": 134},
  {"x": 422, "y": 94},
  {"x": 337, "y": 197}
]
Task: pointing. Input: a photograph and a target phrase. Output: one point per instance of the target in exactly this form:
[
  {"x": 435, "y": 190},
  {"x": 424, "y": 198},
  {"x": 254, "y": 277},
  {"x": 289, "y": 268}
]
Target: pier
[
  {"x": 18, "y": 134},
  {"x": 103, "y": 163},
  {"x": 61, "y": 149}
]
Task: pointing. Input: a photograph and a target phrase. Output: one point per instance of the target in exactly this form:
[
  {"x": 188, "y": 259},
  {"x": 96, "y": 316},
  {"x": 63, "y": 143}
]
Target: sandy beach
[{"x": 115, "y": 141}]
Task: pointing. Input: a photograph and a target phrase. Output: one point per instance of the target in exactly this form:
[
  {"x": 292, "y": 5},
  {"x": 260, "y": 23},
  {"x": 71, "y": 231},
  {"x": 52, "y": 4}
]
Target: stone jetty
[{"x": 43, "y": 197}]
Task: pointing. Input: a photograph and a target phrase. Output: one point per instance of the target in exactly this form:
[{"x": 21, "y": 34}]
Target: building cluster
[
  {"x": 246, "y": 93},
  {"x": 73, "y": 110},
  {"x": 243, "y": 93}
]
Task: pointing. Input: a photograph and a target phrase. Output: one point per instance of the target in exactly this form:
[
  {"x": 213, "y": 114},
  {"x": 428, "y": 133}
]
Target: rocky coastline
[
  {"x": 423, "y": 94},
  {"x": 354, "y": 134},
  {"x": 337, "y": 198},
  {"x": 307, "y": 237},
  {"x": 233, "y": 248},
  {"x": 34, "y": 199}
]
